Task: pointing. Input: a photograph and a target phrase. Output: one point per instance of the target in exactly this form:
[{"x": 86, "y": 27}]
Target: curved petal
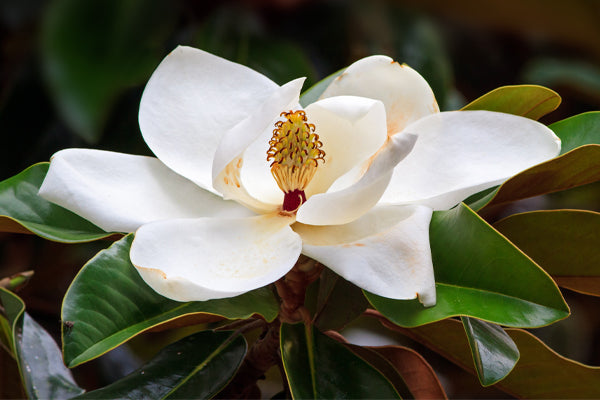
[
  {"x": 351, "y": 129},
  {"x": 255, "y": 185},
  {"x": 460, "y": 153},
  {"x": 343, "y": 206},
  {"x": 385, "y": 252},
  {"x": 189, "y": 103},
  {"x": 406, "y": 95},
  {"x": 211, "y": 258},
  {"x": 120, "y": 192}
]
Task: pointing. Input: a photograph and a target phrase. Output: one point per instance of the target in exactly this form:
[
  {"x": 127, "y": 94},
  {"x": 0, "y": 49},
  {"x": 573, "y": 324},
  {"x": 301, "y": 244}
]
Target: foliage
[{"x": 498, "y": 272}]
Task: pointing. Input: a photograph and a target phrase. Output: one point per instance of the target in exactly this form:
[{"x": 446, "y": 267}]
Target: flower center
[{"x": 295, "y": 149}]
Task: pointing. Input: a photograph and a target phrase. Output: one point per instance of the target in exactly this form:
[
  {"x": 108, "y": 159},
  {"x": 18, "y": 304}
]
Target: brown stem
[
  {"x": 292, "y": 290},
  {"x": 265, "y": 352}
]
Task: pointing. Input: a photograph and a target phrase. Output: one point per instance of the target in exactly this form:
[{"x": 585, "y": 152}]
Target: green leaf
[
  {"x": 529, "y": 101},
  {"x": 540, "y": 372},
  {"x": 563, "y": 242},
  {"x": 43, "y": 372},
  {"x": 313, "y": 93},
  {"x": 93, "y": 50},
  {"x": 578, "y": 130},
  {"x": 480, "y": 274},
  {"x": 108, "y": 303},
  {"x": 494, "y": 352},
  {"x": 14, "y": 308},
  {"x": 197, "y": 366},
  {"x": 575, "y": 168},
  {"x": 23, "y": 211},
  {"x": 319, "y": 367},
  {"x": 338, "y": 302},
  {"x": 408, "y": 371}
]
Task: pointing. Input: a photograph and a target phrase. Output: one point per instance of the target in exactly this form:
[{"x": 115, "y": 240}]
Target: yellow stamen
[{"x": 295, "y": 149}]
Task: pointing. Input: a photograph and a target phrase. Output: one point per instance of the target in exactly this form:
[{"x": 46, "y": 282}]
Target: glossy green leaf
[
  {"x": 108, "y": 303},
  {"x": 319, "y": 367},
  {"x": 494, "y": 352},
  {"x": 563, "y": 242},
  {"x": 195, "y": 367},
  {"x": 408, "y": 371},
  {"x": 14, "y": 308},
  {"x": 529, "y": 101},
  {"x": 540, "y": 372},
  {"x": 23, "y": 211},
  {"x": 385, "y": 367},
  {"x": 338, "y": 302},
  {"x": 480, "y": 274},
  {"x": 93, "y": 50},
  {"x": 43, "y": 372},
  {"x": 575, "y": 168},
  {"x": 313, "y": 93},
  {"x": 5, "y": 335},
  {"x": 578, "y": 130}
]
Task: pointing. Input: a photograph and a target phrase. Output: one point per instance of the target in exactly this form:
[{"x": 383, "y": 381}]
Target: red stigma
[{"x": 293, "y": 200}]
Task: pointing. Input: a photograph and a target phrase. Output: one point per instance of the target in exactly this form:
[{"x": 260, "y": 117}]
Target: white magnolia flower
[{"x": 362, "y": 170}]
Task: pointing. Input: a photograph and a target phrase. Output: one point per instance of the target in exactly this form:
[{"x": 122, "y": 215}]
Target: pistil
[{"x": 295, "y": 149}]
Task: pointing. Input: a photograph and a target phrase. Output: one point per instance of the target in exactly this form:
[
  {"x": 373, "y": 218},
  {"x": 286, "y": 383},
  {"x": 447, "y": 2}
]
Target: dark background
[{"x": 72, "y": 73}]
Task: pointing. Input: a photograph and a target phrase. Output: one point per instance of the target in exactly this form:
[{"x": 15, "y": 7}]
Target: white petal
[
  {"x": 463, "y": 152},
  {"x": 251, "y": 137},
  {"x": 406, "y": 95},
  {"x": 343, "y": 206},
  {"x": 120, "y": 192},
  {"x": 385, "y": 252},
  {"x": 189, "y": 103},
  {"x": 351, "y": 129},
  {"x": 211, "y": 258}
]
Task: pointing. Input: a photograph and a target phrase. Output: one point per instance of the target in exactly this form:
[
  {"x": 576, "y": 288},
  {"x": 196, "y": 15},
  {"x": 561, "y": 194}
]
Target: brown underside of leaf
[
  {"x": 416, "y": 372},
  {"x": 187, "y": 320},
  {"x": 11, "y": 226},
  {"x": 589, "y": 285},
  {"x": 540, "y": 373},
  {"x": 575, "y": 168}
]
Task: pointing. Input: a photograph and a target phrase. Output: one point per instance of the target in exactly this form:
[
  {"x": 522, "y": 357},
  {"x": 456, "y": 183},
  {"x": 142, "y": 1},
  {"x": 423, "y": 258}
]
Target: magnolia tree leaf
[
  {"x": 540, "y": 372},
  {"x": 578, "y": 130},
  {"x": 494, "y": 352},
  {"x": 563, "y": 242},
  {"x": 531, "y": 101},
  {"x": 385, "y": 367},
  {"x": 338, "y": 302},
  {"x": 23, "y": 211},
  {"x": 43, "y": 373},
  {"x": 408, "y": 371},
  {"x": 108, "y": 303},
  {"x": 197, "y": 366},
  {"x": 13, "y": 308},
  {"x": 480, "y": 274},
  {"x": 93, "y": 50},
  {"x": 575, "y": 168},
  {"x": 319, "y": 367}
]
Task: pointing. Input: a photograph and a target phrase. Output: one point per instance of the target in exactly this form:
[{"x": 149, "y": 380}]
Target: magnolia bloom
[{"x": 246, "y": 180}]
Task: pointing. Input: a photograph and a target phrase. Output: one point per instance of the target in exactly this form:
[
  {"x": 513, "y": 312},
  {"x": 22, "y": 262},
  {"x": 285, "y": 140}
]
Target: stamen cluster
[{"x": 295, "y": 149}]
